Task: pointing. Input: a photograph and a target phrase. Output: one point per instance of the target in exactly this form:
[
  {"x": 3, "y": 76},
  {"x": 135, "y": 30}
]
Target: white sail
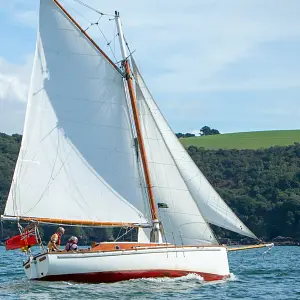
[
  {"x": 77, "y": 160},
  {"x": 182, "y": 220},
  {"x": 212, "y": 206}
]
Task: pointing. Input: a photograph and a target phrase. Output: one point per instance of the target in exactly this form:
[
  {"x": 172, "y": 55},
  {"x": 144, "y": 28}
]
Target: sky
[{"x": 230, "y": 64}]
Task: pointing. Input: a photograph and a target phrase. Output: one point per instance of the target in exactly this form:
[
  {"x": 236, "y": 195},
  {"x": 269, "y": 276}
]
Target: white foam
[
  {"x": 232, "y": 277},
  {"x": 189, "y": 277}
]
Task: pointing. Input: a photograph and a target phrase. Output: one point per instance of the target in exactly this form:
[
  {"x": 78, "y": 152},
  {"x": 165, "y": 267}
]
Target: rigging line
[
  {"x": 118, "y": 234},
  {"x": 127, "y": 45},
  {"x": 112, "y": 39},
  {"x": 107, "y": 43},
  {"x": 80, "y": 14},
  {"x": 92, "y": 8},
  {"x": 126, "y": 232},
  {"x": 126, "y": 58},
  {"x": 93, "y": 23}
]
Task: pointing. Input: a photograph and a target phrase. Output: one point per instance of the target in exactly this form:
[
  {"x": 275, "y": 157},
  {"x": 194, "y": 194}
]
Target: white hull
[{"x": 110, "y": 266}]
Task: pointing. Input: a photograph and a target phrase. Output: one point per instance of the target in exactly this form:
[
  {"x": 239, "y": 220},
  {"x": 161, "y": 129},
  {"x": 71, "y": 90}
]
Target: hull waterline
[{"x": 211, "y": 263}]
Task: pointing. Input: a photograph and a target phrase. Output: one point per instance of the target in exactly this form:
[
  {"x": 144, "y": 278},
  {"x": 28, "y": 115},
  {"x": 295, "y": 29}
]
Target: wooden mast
[{"x": 136, "y": 120}]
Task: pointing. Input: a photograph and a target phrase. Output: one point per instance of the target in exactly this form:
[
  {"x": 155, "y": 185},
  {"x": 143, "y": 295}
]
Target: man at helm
[{"x": 54, "y": 242}]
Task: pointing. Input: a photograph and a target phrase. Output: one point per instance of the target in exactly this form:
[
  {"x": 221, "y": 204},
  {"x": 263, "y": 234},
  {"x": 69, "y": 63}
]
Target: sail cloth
[
  {"x": 182, "y": 221},
  {"x": 78, "y": 159},
  {"x": 212, "y": 206}
]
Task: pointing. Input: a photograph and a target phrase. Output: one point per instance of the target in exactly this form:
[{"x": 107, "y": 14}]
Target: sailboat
[{"x": 97, "y": 151}]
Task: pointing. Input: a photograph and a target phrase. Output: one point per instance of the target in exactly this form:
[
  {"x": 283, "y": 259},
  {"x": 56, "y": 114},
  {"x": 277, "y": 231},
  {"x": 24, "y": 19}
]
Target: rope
[
  {"x": 107, "y": 43},
  {"x": 126, "y": 232},
  {"x": 269, "y": 249},
  {"x": 92, "y": 8},
  {"x": 96, "y": 23}
]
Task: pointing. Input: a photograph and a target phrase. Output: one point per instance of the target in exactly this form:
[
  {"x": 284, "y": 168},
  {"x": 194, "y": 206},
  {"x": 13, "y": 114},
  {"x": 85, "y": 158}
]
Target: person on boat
[
  {"x": 54, "y": 242},
  {"x": 72, "y": 244}
]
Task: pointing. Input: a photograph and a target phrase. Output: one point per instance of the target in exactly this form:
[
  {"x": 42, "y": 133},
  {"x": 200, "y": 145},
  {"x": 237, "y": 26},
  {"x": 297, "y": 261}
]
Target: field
[{"x": 245, "y": 140}]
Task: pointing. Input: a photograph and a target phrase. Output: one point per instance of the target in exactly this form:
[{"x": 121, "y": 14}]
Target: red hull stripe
[{"x": 99, "y": 277}]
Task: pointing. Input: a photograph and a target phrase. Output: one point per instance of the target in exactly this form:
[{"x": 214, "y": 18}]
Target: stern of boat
[{"x": 37, "y": 266}]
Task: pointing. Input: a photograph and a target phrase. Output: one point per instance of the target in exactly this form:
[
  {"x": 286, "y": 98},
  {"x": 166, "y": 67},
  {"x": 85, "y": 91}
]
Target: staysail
[
  {"x": 212, "y": 206},
  {"x": 78, "y": 159},
  {"x": 181, "y": 218}
]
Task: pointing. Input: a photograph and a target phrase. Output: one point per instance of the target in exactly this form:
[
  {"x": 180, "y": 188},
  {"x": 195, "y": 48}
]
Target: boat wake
[
  {"x": 232, "y": 277},
  {"x": 187, "y": 278}
]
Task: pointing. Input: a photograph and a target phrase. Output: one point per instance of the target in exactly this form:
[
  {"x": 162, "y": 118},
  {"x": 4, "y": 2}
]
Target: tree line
[
  {"x": 261, "y": 186},
  {"x": 204, "y": 131}
]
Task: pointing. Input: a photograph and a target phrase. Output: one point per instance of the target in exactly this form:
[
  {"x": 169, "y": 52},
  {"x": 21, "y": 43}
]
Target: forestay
[
  {"x": 212, "y": 206},
  {"x": 182, "y": 220},
  {"x": 77, "y": 160}
]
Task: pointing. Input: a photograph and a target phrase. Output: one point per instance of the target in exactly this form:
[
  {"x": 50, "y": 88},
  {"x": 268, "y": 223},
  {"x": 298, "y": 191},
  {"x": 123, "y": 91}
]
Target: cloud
[
  {"x": 29, "y": 18},
  {"x": 24, "y": 12},
  {"x": 14, "y": 80},
  {"x": 12, "y": 114},
  {"x": 186, "y": 46},
  {"x": 190, "y": 51}
]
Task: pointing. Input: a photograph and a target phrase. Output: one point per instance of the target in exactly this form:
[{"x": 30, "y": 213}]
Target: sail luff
[
  {"x": 87, "y": 36},
  {"x": 153, "y": 209}
]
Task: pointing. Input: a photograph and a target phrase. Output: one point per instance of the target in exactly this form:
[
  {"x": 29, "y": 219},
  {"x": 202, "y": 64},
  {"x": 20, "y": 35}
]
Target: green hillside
[{"x": 245, "y": 140}]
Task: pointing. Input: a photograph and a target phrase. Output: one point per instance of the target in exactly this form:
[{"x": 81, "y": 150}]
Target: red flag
[{"x": 27, "y": 238}]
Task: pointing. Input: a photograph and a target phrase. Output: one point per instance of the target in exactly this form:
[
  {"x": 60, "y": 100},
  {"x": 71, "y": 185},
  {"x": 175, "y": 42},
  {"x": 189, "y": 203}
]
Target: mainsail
[
  {"x": 169, "y": 157},
  {"x": 181, "y": 218},
  {"x": 78, "y": 159}
]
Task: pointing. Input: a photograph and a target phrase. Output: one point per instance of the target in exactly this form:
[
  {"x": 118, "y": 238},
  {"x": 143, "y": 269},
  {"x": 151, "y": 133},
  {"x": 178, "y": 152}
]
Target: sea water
[{"x": 256, "y": 274}]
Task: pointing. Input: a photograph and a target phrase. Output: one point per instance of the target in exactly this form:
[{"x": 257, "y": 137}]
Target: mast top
[{"x": 121, "y": 36}]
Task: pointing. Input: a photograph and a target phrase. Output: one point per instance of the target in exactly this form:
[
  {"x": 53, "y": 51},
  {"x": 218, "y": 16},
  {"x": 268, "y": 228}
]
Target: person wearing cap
[
  {"x": 72, "y": 244},
  {"x": 54, "y": 242}
]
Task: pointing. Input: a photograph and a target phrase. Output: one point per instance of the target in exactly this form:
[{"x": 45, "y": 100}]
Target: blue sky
[{"x": 233, "y": 65}]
